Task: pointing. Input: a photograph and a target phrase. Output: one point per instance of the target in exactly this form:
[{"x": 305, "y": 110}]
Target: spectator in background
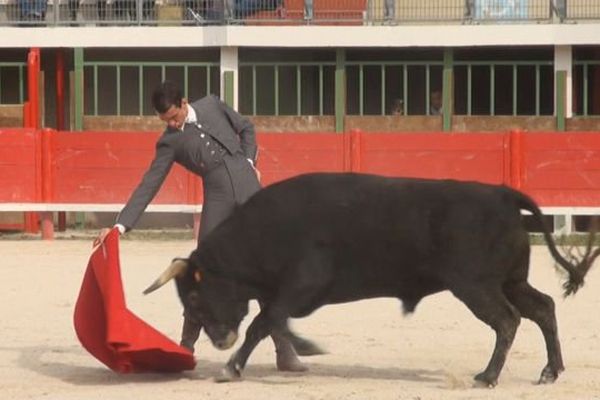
[
  {"x": 469, "y": 9},
  {"x": 246, "y": 8},
  {"x": 560, "y": 9},
  {"x": 205, "y": 12},
  {"x": 435, "y": 102},
  {"x": 32, "y": 11},
  {"x": 101, "y": 4},
  {"x": 148, "y": 14},
  {"x": 194, "y": 10},
  {"x": 73, "y": 6},
  {"x": 397, "y": 107},
  {"x": 389, "y": 11},
  {"x": 308, "y": 10},
  {"x": 126, "y": 10}
]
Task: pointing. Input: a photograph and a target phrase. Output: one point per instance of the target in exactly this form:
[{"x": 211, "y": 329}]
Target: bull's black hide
[{"x": 331, "y": 238}]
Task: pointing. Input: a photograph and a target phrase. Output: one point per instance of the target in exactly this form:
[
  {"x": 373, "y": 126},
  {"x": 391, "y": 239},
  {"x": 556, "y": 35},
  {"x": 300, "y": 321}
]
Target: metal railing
[
  {"x": 415, "y": 88},
  {"x": 585, "y": 76},
  {"x": 290, "y": 12},
  {"x": 287, "y": 88},
  {"x": 386, "y": 88},
  {"x": 123, "y": 88},
  {"x": 577, "y": 9},
  {"x": 400, "y": 88},
  {"x": 503, "y": 88}
]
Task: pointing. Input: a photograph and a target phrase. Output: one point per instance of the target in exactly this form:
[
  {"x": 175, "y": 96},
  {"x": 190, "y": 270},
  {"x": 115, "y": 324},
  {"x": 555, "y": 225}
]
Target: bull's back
[
  {"x": 379, "y": 236},
  {"x": 367, "y": 201}
]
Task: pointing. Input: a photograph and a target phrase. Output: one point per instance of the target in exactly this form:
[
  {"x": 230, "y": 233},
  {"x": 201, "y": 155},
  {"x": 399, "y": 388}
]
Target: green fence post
[
  {"x": 78, "y": 90},
  {"x": 447, "y": 90},
  {"x": 228, "y": 88},
  {"x": 340, "y": 89},
  {"x": 561, "y": 90}
]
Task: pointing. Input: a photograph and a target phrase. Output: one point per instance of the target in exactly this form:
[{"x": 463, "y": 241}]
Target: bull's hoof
[
  {"x": 482, "y": 380},
  {"x": 549, "y": 375},
  {"x": 290, "y": 363},
  {"x": 306, "y": 347},
  {"x": 229, "y": 374}
]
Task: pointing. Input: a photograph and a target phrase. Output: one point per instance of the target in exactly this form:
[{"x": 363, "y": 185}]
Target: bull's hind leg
[
  {"x": 491, "y": 306},
  {"x": 286, "y": 356},
  {"x": 303, "y": 346},
  {"x": 539, "y": 308}
]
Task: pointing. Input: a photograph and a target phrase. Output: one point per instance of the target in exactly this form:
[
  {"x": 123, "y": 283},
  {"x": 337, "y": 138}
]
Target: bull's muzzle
[{"x": 226, "y": 342}]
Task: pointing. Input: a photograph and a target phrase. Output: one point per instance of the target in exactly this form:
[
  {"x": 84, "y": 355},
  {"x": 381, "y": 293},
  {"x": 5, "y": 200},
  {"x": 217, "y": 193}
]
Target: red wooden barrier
[
  {"x": 472, "y": 156},
  {"x": 19, "y": 174},
  {"x": 105, "y": 167},
  {"x": 33, "y": 83},
  {"x": 562, "y": 169},
  {"x": 60, "y": 89},
  {"x": 31, "y": 220},
  {"x": 26, "y": 115},
  {"x": 516, "y": 159},
  {"x": 557, "y": 169},
  {"x": 284, "y": 155}
]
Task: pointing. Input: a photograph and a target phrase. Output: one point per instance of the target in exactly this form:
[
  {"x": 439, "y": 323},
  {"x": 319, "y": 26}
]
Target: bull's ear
[{"x": 176, "y": 269}]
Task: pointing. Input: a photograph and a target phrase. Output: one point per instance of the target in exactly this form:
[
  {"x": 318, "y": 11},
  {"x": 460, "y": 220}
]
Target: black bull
[{"x": 332, "y": 238}]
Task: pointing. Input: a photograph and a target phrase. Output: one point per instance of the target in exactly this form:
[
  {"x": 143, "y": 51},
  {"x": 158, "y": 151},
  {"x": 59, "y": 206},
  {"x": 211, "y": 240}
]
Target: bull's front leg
[{"x": 260, "y": 327}]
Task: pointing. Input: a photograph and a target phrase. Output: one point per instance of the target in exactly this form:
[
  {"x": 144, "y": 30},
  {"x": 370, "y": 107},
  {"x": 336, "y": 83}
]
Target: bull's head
[{"x": 208, "y": 299}]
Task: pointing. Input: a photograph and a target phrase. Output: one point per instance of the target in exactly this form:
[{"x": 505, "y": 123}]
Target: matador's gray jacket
[{"x": 217, "y": 148}]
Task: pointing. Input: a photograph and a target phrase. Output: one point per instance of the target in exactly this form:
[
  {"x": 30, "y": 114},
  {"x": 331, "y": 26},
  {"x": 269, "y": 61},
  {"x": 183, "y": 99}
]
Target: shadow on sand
[{"x": 46, "y": 361}]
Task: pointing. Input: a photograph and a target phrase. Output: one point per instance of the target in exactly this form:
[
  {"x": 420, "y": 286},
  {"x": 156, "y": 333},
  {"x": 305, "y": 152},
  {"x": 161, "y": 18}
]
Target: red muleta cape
[{"x": 111, "y": 332}]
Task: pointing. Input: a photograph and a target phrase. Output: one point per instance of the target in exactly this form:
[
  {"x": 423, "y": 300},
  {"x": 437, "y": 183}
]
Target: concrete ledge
[
  {"x": 305, "y": 36},
  {"x": 71, "y": 207},
  {"x": 46, "y": 211}
]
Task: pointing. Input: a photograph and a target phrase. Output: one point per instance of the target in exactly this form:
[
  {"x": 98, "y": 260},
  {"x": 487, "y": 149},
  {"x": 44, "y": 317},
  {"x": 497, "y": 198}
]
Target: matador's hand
[{"x": 101, "y": 236}]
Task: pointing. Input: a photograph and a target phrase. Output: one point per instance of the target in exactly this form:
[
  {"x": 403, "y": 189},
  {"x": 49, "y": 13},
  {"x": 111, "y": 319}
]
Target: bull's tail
[{"x": 577, "y": 267}]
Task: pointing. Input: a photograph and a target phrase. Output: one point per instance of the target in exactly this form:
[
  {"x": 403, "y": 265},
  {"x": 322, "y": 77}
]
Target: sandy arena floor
[{"x": 374, "y": 352}]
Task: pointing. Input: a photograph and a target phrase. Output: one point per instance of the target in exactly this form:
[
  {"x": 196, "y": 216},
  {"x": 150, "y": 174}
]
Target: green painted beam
[
  {"x": 447, "y": 89},
  {"x": 561, "y": 100},
  {"x": 228, "y": 89},
  {"x": 78, "y": 71},
  {"x": 340, "y": 89}
]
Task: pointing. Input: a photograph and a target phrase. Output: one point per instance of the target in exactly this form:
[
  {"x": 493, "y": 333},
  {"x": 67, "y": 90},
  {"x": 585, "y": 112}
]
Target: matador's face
[{"x": 175, "y": 116}]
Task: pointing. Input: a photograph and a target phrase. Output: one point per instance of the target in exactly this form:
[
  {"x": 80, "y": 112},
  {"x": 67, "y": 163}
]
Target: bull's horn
[{"x": 177, "y": 268}]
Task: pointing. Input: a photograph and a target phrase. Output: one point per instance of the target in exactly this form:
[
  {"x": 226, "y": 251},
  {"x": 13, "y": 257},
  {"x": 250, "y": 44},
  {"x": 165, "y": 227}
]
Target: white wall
[{"x": 305, "y": 36}]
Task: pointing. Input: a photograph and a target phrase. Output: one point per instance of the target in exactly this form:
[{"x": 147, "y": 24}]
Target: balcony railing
[
  {"x": 290, "y": 12},
  {"x": 121, "y": 88}
]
